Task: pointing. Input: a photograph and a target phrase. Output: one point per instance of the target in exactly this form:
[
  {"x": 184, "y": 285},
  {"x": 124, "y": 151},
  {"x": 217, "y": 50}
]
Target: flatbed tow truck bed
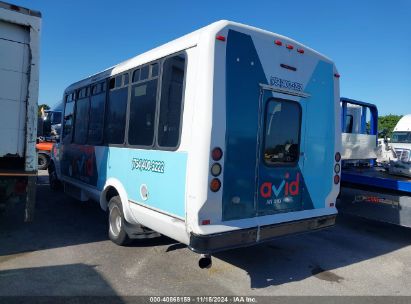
[{"x": 372, "y": 193}]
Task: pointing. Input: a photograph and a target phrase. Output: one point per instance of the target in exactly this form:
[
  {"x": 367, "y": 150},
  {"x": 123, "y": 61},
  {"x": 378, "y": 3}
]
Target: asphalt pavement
[{"x": 66, "y": 251}]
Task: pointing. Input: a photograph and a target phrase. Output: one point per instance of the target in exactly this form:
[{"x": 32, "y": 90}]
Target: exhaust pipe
[{"x": 205, "y": 261}]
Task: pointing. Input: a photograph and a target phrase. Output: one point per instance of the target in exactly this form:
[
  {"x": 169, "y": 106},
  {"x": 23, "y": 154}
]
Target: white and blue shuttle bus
[{"x": 226, "y": 137}]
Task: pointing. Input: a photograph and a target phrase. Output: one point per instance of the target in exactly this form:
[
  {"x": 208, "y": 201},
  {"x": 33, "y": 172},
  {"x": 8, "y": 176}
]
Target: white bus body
[{"x": 249, "y": 155}]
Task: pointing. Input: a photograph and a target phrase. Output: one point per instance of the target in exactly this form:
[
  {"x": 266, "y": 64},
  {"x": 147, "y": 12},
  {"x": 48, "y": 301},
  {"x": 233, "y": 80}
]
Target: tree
[
  {"x": 388, "y": 123},
  {"x": 44, "y": 106}
]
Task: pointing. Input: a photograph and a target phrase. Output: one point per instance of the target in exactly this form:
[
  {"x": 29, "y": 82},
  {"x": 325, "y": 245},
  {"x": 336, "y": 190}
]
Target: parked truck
[
  {"x": 401, "y": 136},
  {"x": 48, "y": 132},
  {"x": 19, "y": 83},
  {"x": 369, "y": 189}
]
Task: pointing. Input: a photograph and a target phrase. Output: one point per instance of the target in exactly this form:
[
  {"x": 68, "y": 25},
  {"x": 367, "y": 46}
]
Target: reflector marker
[
  {"x": 219, "y": 37},
  {"x": 288, "y": 67}
]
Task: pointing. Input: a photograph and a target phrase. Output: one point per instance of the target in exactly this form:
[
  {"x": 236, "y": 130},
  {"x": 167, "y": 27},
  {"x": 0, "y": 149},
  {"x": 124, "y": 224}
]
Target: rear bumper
[{"x": 251, "y": 236}]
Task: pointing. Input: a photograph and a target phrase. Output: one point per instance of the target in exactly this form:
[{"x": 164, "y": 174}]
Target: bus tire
[
  {"x": 43, "y": 161},
  {"x": 116, "y": 222},
  {"x": 55, "y": 184}
]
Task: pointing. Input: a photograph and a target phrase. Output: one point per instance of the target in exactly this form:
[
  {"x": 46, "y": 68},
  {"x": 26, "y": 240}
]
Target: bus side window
[
  {"x": 97, "y": 107},
  {"x": 125, "y": 79},
  {"x": 115, "y": 122},
  {"x": 136, "y": 75},
  {"x": 171, "y": 103},
  {"x": 144, "y": 72},
  {"x": 68, "y": 118},
  {"x": 142, "y": 113},
  {"x": 82, "y": 117}
]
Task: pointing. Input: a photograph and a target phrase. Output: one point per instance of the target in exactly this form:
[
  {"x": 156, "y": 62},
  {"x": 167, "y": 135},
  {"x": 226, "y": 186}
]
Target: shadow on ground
[
  {"x": 59, "y": 221},
  {"x": 316, "y": 254},
  {"x": 62, "y": 280}
]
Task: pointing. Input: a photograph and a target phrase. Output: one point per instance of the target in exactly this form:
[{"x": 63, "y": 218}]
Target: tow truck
[{"x": 368, "y": 188}]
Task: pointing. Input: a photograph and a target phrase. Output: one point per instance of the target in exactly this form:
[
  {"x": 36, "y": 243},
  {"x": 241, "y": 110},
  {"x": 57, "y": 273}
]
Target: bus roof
[{"x": 184, "y": 42}]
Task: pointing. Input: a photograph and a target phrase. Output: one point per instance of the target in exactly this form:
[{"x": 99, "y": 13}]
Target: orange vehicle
[{"x": 43, "y": 149}]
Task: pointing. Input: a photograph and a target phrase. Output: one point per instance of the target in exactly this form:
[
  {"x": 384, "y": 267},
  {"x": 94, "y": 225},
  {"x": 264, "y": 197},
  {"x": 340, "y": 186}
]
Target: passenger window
[
  {"x": 118, "y": 81},
  {"x": 68, "y": 118},
  {"x": 282, "y": 132},
  {"x": 125, "y": 79},
  {"x": 81, "y": 122},
  {"x": 154, "y": 70},
  {"x": 116, "y": 116},
  {"x": 96, "y": 89},
  {"x": 144, "y": 72},
  {"x": 142, "y": 113},
  {"x": 136, "y": 75},
  {"x": 82, "y": 93},
  {"x": 112, "y": 83},
  {"x": 171, "y": 103},
  {"x": 96, "y": 125}
]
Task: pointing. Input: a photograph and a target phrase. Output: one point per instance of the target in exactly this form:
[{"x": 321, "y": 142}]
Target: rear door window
[{"x": 282, "y": 132}]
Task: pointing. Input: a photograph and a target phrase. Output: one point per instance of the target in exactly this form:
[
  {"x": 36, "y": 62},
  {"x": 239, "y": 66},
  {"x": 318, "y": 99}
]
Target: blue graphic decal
[
  {"x": 318, "y": 167},
  {"x": 153, "y": 178},
  {"x": 242, "y": 80}
]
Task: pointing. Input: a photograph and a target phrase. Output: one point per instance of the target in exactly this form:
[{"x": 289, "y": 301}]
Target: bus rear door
[{"x": 280, "y": 155}]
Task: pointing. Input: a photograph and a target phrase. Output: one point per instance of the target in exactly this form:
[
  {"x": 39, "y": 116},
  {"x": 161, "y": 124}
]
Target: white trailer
[{"x": 19, "y": 82}]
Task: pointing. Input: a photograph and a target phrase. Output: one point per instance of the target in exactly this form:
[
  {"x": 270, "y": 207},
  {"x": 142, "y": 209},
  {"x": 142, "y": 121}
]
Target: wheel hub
[{"x": 115, "y": 221}]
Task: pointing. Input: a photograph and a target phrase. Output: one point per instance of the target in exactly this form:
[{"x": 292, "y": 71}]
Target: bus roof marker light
[
  {"x": 278, "y": 42},
  {"x": 205, "y": 222},
  {"x": 289, "y": 46},
  {"x": 301, "y": 51},
  {"x": 220, "y": 37},
  {"x": 336, "y": 75}
]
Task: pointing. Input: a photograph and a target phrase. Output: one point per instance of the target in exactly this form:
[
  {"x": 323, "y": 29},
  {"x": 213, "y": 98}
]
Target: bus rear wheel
[
  {"x": 55, "y": 184},
  {"x": 116, "y": 222},
  {"x": 43, "y": 161}
]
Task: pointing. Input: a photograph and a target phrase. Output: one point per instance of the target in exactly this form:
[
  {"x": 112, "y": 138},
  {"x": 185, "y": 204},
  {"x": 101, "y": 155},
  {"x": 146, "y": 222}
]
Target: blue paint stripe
[{"x": 384, "y": 183}]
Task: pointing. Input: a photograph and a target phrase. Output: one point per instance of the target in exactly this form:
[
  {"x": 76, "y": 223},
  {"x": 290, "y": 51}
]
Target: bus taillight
[
  {"x": 216, "y": 169},
  {"x": 215, "y": 185},
  {"x": 337, "y": 156},
  {"x": 336, "y": 179},
  {"x": 217, "y": 154}
]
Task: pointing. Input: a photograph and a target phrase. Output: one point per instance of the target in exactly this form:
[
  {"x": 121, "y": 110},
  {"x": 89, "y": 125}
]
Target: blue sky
[{"x": 370, "y": 41}]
